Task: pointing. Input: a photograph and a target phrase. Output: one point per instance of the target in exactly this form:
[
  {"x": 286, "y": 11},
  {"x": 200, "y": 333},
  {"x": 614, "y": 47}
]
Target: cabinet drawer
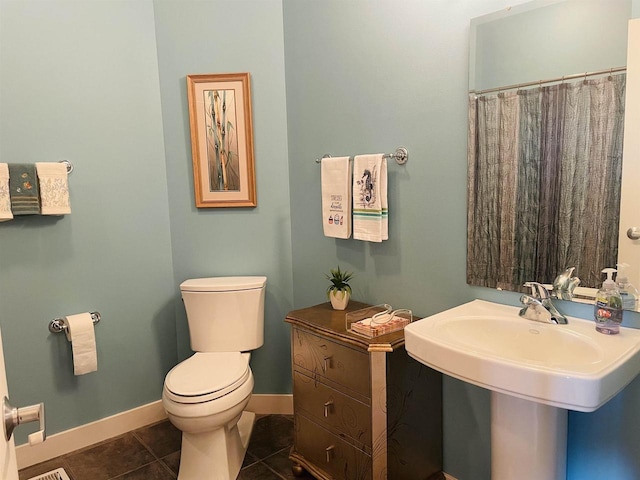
[
  {"x": 329, "y": 407},
  {"x": 329, "y": 452},
  {"x": 338, "y": 363}
]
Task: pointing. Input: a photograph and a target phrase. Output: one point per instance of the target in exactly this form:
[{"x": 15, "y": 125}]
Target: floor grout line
[
  {"x": 273, "y": 471},
  {"x": 131, "y": 471}
]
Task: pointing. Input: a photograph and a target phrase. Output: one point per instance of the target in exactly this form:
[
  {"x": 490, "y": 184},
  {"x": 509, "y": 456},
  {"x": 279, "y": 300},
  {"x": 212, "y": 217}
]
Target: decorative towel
[
  {"x": 54, "y": 188},
  {"x": 370, "y": 210},
  {"x": 384, "y": 202},
  {"x": 5, "y": 198},
  {"x": 23, "y": 189},
  {"x": 336, "y": 197}
]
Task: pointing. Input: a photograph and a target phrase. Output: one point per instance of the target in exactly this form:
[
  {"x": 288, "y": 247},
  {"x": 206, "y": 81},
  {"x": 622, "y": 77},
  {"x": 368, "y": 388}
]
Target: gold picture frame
[{"x": 222, "y": 140}]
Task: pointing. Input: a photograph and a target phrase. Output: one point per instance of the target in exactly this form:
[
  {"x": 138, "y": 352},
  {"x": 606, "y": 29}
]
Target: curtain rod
[{"x": 559, "y": 79}]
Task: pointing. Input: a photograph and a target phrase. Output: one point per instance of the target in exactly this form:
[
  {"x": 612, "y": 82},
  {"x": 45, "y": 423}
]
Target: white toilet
[{"x": 205, "y": 395}]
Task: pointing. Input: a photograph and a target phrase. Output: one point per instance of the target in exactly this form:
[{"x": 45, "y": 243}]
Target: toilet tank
[{"x": 225, "y": 314}]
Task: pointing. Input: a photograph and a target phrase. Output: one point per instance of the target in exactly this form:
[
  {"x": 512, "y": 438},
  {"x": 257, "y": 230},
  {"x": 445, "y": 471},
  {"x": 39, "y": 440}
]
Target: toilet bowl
[{"x": 205, "y": 395}]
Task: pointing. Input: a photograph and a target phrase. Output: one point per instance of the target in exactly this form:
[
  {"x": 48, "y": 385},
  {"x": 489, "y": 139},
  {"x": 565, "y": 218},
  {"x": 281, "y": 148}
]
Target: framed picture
[{"x": 222, "y": 140}]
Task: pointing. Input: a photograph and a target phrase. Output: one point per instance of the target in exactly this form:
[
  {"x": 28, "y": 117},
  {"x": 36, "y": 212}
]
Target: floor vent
[{"x": 58, "y": 474}]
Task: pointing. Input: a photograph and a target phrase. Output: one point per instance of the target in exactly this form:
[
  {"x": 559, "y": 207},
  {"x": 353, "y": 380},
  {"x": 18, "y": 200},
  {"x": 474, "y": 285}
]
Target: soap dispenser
[
  {"x": 608, "y": 307},
  {"x": 628, "y": 292}
]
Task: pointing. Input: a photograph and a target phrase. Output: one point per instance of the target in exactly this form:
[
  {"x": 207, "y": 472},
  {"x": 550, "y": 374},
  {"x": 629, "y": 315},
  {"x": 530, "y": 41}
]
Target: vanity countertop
[{"x": 323, "y": 319}]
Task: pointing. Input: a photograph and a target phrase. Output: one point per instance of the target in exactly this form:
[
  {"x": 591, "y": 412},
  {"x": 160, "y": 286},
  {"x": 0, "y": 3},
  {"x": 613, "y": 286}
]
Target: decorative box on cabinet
[{"x": 363, "y": 409}]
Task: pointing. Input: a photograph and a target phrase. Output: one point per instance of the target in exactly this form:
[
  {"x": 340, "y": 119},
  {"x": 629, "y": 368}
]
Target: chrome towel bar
[
  {"x": 68, "y": 164},
  {"x": 59, "y": 325},
  {"x": 401, "y": 155}
]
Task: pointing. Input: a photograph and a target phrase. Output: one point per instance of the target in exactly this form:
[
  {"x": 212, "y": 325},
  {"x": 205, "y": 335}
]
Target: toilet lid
[{"x": 206, "y": 376}]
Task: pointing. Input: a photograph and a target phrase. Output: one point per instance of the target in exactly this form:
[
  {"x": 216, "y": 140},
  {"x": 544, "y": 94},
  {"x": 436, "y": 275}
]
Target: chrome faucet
[
  {"x": 565, "y": 284},
  {"x": 538, "y": 306}
]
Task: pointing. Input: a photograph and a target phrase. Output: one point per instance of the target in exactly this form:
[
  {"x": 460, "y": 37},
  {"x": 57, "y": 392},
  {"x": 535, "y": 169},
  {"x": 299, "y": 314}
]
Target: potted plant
[{"x": 339, "y": 291}]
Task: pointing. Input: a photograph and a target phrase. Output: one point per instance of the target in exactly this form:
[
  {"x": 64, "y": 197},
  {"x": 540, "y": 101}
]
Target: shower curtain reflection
[{"x": 544, "y": 178}]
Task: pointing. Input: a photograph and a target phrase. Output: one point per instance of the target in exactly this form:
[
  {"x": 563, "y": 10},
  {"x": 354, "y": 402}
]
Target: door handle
[
  {"x": 17, "y": 416},
  {"x": 633, "y": 233}
]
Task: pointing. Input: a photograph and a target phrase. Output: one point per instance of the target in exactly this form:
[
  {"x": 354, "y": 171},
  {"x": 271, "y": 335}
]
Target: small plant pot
[{"x": 339, "y": 299}]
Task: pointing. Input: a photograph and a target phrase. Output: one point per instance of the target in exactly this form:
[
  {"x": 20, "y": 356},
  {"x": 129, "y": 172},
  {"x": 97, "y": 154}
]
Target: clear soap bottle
[
  {"x": 628, "y": 292},
  {"x": 608, "y": 308}
]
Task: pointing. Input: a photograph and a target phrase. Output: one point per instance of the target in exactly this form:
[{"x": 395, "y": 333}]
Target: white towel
[
  {"x": 54, "y": 188},
  {"x": 5, "y": 198},
  {"x": 384, "y": 203},
  {"x": 370, "y": 208},
  {"x": 336, "y": 197}
]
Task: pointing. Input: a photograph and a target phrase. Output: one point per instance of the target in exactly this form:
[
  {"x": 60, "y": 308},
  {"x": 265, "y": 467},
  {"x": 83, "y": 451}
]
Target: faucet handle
[
  {"x": 529, "y": 301},
  {"x": 537, "y": 290}
]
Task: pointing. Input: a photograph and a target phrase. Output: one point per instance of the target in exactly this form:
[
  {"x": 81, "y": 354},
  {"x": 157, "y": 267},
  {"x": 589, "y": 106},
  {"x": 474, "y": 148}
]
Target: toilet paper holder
[{"x": 59, "y": 325}]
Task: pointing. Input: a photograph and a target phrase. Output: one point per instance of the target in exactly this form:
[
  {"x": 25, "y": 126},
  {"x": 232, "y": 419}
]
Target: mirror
[{"x": 547, "y": 39}]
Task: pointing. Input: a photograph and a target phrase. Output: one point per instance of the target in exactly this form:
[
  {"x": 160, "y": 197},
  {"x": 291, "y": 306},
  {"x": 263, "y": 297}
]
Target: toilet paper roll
[{"x": 80, "y": 333}]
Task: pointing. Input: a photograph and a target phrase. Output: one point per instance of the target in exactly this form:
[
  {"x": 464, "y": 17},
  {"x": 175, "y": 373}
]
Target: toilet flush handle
[{"x": 17, "y": 416}]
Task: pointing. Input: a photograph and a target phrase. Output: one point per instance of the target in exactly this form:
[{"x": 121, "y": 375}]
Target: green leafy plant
[{"x": 339, "y": 281}]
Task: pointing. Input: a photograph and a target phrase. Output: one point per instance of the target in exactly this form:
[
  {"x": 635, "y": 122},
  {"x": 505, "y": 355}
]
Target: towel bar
[
  {"x": 68, "y": 164},
  {"x": 401, "y": 155},
  {"x": 59, "y": 325}
]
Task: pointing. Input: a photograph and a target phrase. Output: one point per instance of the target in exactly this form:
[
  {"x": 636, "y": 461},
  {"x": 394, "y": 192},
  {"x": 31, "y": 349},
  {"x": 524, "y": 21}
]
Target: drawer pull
[
  {"x": 327, "y": 407},
  {"x": 329, "y": 451},
  {"x": 326, "y": 364}
]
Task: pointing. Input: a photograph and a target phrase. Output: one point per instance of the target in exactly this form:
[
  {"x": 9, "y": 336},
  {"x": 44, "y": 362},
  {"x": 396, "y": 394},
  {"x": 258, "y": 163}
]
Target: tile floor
[{"x": 153, "y": 453}]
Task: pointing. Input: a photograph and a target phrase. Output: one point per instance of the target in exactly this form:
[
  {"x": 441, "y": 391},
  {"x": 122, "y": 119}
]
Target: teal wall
[
  {"x": 366, "y": 77},
  {"x": 72, "y": 87},
  {"x": 591, "y": 36},
  {"x": 217, "y": 37},
  {"x": 88, "y": 82},
  {"x": 103, "y": 84}
]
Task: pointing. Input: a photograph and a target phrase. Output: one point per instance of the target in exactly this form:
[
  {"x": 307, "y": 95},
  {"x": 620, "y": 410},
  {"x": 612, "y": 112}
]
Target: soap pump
[
  {"x": 628, "y": 292},
  {"x": 608, "y": 308}
]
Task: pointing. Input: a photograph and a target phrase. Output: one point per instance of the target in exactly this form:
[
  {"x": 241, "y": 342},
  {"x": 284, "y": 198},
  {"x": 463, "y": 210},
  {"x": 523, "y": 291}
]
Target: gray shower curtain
[{"x": 544, "y": 177}]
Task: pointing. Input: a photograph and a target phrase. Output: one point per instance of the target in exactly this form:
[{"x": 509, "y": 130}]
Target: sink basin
[
  {"x": 487, "y": 344},
  {"x": 535, "y": 371}
]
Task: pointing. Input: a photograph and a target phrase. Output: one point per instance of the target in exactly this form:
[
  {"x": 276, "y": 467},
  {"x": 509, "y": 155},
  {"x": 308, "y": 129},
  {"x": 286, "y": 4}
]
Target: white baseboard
[
  {"x": 449, "y": 477},
  {"x": 90, "y": 433},
  {"x": 105, "y": 428}
]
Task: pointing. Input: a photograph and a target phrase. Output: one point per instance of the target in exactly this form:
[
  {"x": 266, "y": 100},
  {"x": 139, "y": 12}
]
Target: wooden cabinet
[{"x": 363, "y": 409}]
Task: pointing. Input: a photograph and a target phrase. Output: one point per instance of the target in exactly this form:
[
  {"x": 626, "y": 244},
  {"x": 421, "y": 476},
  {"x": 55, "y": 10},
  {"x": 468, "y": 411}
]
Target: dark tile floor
[{"x": 153, "y": 453}]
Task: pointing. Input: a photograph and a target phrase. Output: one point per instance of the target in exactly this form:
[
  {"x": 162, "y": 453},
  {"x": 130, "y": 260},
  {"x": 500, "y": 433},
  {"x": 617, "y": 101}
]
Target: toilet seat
[{"x": 207, "y": 376}]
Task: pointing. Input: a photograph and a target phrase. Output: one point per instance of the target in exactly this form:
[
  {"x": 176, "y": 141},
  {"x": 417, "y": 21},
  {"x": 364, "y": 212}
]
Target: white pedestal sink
[{"x": 536, "y": 371}]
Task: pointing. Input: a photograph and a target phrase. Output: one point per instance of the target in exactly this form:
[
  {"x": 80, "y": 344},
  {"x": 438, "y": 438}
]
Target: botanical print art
[
  {"x": 222, "y": 140},
  {"x": 367, "y": 182}
]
